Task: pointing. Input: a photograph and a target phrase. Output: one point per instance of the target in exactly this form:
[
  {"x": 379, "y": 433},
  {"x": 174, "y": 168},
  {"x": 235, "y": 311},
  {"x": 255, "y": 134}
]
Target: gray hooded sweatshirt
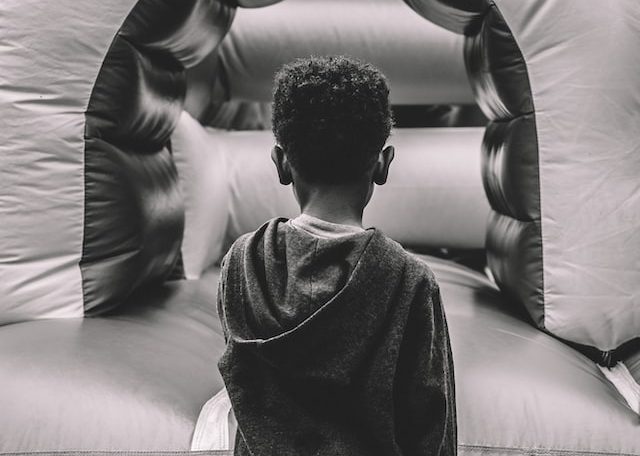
[{"x": 334, "y": 346}]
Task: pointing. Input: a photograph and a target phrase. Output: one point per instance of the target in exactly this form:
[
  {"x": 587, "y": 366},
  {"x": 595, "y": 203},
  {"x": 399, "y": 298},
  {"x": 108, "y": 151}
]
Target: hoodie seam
[{"x": 315, "y": 255}]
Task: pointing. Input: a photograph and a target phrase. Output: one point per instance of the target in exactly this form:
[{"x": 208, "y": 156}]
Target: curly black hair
[{"x": 331, "y": 115}]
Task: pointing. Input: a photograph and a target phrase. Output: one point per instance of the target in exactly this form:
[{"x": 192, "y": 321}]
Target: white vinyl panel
[
  {"x": 51, "y": 52},
  {"x": 583, "y": 58}
]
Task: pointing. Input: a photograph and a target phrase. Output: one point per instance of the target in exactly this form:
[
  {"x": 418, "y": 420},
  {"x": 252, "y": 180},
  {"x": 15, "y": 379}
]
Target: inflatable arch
[{"x": 561, "y": 159}]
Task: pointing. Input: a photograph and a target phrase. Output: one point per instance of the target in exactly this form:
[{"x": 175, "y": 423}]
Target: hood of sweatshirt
[{"x": 310, "y": 306}]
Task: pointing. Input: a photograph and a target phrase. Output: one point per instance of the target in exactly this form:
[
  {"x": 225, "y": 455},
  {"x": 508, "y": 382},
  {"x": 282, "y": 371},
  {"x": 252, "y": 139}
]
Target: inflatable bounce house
[{"x": 134, "y": 148}]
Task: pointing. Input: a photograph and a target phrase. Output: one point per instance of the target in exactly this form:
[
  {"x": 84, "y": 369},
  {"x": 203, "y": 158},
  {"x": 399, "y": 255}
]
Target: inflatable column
[
  {"x": 91, "y": 91},
  {"x": 560, "y": 81}
]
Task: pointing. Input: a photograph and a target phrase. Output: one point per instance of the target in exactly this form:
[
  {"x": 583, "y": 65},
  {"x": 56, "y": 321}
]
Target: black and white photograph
[{"x": 320, "y": 227}]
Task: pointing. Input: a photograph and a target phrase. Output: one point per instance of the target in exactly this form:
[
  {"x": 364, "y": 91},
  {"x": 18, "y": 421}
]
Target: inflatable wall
[
  {"x": 90, "y": 204},
  {"x": 560, "y": 159}
]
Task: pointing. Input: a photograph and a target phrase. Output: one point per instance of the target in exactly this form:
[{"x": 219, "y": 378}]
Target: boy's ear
[
  {"x": 381, "y": 171},
  {"x": 282, "y": 165}
]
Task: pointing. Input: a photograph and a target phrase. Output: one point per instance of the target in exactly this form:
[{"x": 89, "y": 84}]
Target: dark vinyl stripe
[
  {"x": 189, "y": 32},
  {"x": 134, "y": 209},
  {"x": 510, "y": 163},
  {"x": 510, "y": 167},
  {"x": 511, "y": 172}
]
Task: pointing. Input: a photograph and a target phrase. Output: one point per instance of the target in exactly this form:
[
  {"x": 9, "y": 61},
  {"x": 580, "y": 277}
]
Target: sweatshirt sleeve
[{"x": 425, "y": 390}]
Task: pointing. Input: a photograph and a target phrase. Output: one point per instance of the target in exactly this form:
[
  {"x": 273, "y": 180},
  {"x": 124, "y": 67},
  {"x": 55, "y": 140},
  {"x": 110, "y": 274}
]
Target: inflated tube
[
  {"x": 423, "y": 62},
  {"x": 433, "y": 197}
]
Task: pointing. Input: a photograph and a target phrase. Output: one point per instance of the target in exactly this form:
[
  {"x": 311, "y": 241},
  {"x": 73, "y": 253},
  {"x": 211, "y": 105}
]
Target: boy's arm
[{"x": 425, "y": 391}]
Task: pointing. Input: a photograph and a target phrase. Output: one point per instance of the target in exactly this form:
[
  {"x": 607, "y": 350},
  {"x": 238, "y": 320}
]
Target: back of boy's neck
[
  {"x": 334, "y": 208},
  {"x": 333, "y": 217}
]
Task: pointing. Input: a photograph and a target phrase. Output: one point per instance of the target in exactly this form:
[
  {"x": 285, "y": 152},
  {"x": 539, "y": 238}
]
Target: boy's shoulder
[
  {"x": 239, "y": 244},
  {"x": 416, "y": 268}
]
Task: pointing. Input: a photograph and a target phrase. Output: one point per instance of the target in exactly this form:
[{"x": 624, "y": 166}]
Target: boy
[{"x": 336, "y": 339}]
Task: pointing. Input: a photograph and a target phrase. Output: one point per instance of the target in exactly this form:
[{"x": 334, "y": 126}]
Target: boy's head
[{"x": 331, "y": 119}]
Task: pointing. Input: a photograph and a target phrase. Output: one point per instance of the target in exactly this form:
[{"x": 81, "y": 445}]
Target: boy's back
[
  {"x": 337, "y": 346},
  {"x": 336, "y": 338}
]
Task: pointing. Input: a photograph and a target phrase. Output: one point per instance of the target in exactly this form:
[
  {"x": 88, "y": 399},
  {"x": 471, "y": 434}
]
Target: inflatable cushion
[
  {"x": 204, "y": 180},
  {"x": 130, "y": 382},
  {"x": 519, "y": 390}
]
